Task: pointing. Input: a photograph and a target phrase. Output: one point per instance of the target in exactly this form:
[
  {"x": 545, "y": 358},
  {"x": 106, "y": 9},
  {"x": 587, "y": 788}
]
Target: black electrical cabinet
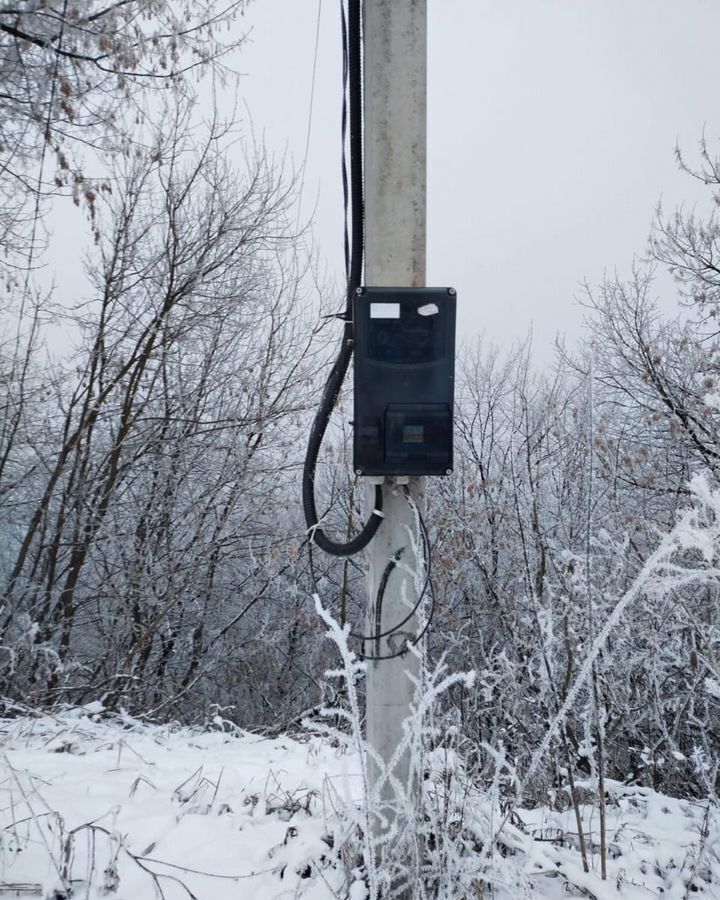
[{"x": 404, "y": 381}]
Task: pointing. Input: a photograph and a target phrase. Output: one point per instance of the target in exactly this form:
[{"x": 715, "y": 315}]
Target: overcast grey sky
[{"x": 551, "y": 131}]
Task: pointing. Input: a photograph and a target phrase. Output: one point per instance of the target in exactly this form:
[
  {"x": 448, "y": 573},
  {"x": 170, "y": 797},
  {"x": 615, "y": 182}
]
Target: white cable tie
[{"x": 379, "y": 513}]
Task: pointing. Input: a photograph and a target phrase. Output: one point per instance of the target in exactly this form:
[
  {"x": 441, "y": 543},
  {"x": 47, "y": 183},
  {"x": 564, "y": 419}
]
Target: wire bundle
[
  {"x": 354, "y": 253},
  {"x": 352, "y": 75}
]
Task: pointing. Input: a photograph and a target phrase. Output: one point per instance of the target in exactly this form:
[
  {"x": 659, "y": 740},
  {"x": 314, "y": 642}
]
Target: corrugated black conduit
[{"x": 354, "y": 276}]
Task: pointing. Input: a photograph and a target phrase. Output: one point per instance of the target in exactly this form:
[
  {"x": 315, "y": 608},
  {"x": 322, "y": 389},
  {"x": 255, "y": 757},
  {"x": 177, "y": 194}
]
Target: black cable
[
  {"x": 353, "y": 193},
  {"x": 352, "y": 69},
  {"x": 382, "y": 587},
  {"x": 387, "y": 571},
  {"x": 392, "y": 563},
  {"x": 343, "y": 132},
  {"x": 427, "y": 585},
  {"x": 418, "y": 637},
  {"x": 354, "y": 251}
]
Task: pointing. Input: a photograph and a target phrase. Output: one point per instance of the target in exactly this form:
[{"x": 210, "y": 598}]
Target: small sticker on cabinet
[{"x": 384, "y": 310}]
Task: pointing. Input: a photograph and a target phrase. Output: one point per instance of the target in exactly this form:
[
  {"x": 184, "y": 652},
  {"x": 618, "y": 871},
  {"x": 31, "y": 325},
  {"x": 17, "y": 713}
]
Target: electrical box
[{"x": 404, "y": 381}]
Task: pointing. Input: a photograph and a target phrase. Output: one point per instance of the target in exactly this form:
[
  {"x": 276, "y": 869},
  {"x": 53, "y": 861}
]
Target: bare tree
[
  {"x": 74, "y": 74},
  {"x": 150, "y": 529}
]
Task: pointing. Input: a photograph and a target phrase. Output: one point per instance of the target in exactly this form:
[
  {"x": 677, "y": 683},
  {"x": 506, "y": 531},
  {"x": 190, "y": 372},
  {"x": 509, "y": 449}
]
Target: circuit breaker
[{"x": 404, "y": 381}]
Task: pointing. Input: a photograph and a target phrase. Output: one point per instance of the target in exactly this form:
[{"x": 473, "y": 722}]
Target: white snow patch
[{"x": 111, "y": 807}]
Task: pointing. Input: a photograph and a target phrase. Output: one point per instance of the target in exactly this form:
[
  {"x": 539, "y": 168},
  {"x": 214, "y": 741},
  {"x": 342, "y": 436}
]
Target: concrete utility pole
[{"x": 395, "y": 40}]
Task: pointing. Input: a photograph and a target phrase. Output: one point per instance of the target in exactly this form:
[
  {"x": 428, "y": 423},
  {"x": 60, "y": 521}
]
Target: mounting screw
[
  {"x": 451, "y": 291},
  {"x": 358, "y": 471},
  {"x": 448, "y": 471},
  {"x": 359, "y": 290}
]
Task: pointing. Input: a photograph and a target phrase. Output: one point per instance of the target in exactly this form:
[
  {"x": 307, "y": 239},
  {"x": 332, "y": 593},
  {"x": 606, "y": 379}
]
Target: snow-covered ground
[{"x": 108, "y": 807}]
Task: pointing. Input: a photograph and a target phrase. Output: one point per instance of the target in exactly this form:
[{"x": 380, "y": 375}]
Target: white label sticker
[
  {"x": 430, "y": 309},
  {"x": 384, "y": 310}
]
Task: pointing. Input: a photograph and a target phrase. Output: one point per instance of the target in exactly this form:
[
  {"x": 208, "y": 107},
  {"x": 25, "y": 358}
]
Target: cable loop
[{"x": 352, "y": 97}]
